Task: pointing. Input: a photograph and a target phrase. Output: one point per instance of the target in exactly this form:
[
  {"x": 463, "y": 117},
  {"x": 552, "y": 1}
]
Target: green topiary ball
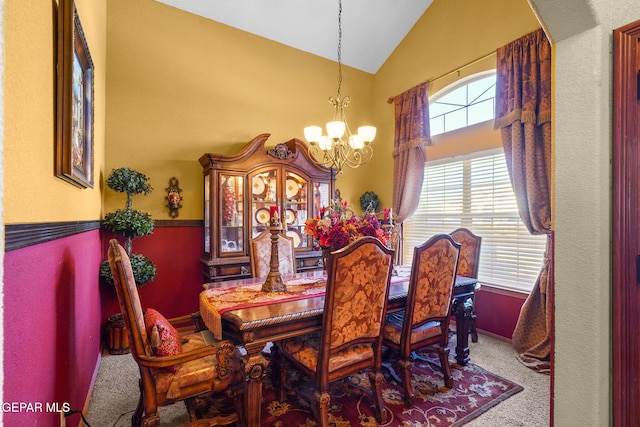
[
  {"x": 369, "y": 202},
  {"x": 129, "y": 222},
  {"x": 125, "y": 180},
  {"x": 144, "y": 270}
]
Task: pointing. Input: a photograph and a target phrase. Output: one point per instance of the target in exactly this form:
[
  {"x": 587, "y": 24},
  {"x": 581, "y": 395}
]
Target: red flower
[{"x": 337, "y": 225}]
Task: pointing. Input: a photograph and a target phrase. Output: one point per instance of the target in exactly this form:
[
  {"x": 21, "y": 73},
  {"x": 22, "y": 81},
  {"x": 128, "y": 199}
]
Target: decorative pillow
[{"x": 163, "y": 337}]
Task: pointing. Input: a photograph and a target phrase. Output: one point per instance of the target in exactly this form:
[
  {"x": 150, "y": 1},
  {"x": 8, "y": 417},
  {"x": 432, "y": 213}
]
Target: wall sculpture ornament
[{"x": 174, "y": 198}]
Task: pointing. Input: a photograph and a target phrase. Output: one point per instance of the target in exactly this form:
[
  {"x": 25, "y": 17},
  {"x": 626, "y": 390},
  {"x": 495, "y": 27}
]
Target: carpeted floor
[{"x": 477, "y": 392}]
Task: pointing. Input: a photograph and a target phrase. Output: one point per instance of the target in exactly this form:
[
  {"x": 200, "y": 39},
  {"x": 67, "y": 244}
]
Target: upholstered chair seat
[
  {"x": 207, "y": 369},
  {"x": 306, "y": 349},
  {"x": 393, "y": 329}
]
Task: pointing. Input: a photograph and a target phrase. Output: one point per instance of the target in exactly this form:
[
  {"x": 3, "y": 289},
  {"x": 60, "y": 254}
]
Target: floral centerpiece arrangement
[{"x": 337, "y": 225}]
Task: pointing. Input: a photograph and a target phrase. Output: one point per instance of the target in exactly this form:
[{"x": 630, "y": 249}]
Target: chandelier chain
[{"x": 339, "y": 50}]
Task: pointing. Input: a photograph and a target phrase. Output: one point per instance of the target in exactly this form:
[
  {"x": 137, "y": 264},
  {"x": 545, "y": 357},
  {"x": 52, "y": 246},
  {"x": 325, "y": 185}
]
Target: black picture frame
[{"x": 74, "y": 100}]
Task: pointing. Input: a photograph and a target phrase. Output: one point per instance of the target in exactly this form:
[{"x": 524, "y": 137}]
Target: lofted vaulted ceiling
[{"x": 371, "y": 29}]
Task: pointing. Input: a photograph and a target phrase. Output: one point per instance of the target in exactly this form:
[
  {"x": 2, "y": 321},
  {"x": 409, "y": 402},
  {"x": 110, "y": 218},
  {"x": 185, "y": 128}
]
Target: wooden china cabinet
[{"x": 238, "y": 193}]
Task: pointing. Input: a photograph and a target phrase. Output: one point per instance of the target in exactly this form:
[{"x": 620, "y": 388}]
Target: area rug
[{"x": 475, "y": 391}]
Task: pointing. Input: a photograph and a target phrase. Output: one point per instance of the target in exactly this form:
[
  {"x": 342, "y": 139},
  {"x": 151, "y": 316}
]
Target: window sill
[{"x": 503, "y": 291}]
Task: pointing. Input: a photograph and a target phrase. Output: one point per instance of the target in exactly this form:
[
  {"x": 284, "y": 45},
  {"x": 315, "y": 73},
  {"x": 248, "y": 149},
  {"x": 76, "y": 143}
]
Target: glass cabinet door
[
  {"x": 296, "y": 190},
  {"x": 321, "y": 196},
  {"x": 207, "y": 215},
  {"x": 231, "y": 213},
  {"x": 264, "y": 187}
]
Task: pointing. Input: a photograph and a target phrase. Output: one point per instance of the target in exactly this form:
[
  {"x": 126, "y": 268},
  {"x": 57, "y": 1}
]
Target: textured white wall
[{"x": 582, "y": 34}]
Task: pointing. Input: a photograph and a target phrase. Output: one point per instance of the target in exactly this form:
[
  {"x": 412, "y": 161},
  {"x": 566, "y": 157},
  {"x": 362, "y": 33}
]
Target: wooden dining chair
[
  {"x": 260, "y": 254},
  {"x": 174, "y": 361},
  {"x": 424, "y": 321},
  {"x": 350, "y": 339},
  {"x": 468, "y": 264}
]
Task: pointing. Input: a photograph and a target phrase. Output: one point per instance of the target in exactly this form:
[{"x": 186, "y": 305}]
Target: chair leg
[
  {"x": 321, "y": 408},
  {"x": 388, "y": 361},
  {"x": 392, "y": 371},
  {"x": 152, "y": 420},
  {"x": 443, "y": 352},
  {"x": 376, "y": 383},
  {"x": 409, "y": 395},
  {"x": 237, "y": 391},
  {"x": 274, "y": 363},
  {"x": 136, "y": 418},
  {"x": 146, "y": 413},
  {"x": 190, "y": 404},
  {"x": 279, "y": 367}
]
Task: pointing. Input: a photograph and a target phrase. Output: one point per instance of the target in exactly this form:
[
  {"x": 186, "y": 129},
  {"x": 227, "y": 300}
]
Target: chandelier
[{"x": 340, "y": 148}]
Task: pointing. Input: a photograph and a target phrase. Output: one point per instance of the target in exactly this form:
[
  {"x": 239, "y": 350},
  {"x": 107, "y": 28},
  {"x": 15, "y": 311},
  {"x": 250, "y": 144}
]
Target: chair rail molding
[{"x": 19, "y": 236}]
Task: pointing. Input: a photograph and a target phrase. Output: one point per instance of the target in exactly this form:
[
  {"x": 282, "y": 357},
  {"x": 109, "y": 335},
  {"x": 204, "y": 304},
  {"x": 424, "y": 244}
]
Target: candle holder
[
  {"x": 273, "y": 282},
  {"x": 388, "y": 228}
]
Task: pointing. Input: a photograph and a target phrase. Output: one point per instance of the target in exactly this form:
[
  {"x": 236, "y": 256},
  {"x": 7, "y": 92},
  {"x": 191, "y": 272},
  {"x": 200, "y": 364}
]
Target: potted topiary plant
[
  {"x": 129, "y": 223},
  {"x": 369, "y": 202}
]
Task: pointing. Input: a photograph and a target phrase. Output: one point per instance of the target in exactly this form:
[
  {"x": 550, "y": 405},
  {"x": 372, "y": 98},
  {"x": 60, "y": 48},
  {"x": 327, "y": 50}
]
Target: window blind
[{"x": 475, "y": 192}]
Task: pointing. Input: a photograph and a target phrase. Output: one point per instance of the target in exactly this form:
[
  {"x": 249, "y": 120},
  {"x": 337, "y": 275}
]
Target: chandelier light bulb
[
  {"x": 325, "y": 143},
  {"x": 356, "y": 142},
  {"x": 336, "y": 129},
  {"x": 367, "y": 133},
  {"x": 313, "y": 133}
]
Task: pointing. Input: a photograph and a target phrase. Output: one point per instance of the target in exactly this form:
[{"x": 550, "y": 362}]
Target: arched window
[
  {"x": 464, "y": 103},
  {"x": 474, "y": 191}
]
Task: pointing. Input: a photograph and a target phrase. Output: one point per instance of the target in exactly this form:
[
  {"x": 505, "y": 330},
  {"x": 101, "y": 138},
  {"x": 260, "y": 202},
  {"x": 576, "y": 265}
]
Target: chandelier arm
[
  {"x": 360, "y": 157},
  {"x": 322, "y": 156},
  {"x": 342, "y": 153}
]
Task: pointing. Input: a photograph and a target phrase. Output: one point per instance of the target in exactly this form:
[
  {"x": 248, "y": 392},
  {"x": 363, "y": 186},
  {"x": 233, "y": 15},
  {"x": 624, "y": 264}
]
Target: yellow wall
[
  {"x": 449, "y": 35},
  {"x": 32, "y": 193},
  {"x": 180, "y": 86}
]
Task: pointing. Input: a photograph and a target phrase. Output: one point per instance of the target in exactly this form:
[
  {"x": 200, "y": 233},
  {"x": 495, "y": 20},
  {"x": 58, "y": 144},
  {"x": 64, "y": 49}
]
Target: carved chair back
[
  {"x": 128, "y": 299},
  {"x": 260, "y": 255},
  {"x": 433, "y": 275},
  {"x": 469, "y": 251},
  {"x": 358, "y": 279}
]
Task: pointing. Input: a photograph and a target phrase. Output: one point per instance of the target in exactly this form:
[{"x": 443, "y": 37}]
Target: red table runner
[{"x": 215, "y": 302}]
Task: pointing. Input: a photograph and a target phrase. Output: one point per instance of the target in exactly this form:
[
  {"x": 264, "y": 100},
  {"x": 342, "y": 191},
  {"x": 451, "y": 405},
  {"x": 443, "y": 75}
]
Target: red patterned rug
[{"x": 475, "y": 391}]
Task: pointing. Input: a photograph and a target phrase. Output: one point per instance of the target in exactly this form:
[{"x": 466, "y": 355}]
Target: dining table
[{"x": 240, "y": 311}]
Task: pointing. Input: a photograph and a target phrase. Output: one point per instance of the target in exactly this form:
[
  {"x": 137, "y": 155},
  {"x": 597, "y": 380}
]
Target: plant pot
[{"x": 117, "y": 338}]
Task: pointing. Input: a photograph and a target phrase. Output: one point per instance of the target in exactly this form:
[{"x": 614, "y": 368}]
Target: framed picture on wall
[{"x": 74, "y": 100}]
